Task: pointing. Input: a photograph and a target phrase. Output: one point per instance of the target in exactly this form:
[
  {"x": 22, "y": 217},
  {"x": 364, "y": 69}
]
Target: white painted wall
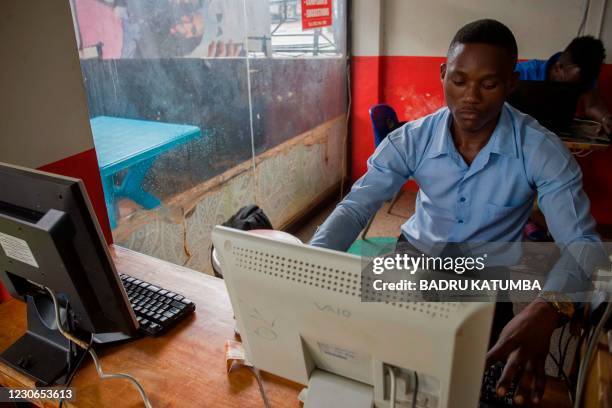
[
  {"x": 425, "y": 27},
  {"x": 43, "y": 105}
]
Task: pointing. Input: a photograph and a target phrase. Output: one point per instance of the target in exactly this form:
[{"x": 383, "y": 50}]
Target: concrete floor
[{"x": 384, "y": 225}]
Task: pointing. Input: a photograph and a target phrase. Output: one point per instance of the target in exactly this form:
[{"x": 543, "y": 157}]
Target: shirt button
[
  {"x": 460, "y": 221},
  {"x": 462, "y": 199}
]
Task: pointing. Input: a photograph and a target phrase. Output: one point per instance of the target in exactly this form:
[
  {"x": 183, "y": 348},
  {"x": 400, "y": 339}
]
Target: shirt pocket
[{"x": 501, "y": 211}]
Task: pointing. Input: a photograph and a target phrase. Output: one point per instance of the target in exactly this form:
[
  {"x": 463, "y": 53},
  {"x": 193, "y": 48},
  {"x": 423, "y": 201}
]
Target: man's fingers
[
  {"x": 500, "y": 351},
  {"x": 514, "y": 365},
  {"x": 539, "y": 382},
  {"x": 525, "y": 386}
]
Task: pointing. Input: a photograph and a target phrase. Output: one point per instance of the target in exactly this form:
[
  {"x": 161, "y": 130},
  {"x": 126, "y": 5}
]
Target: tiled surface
[{"x": 385, "y": 224}]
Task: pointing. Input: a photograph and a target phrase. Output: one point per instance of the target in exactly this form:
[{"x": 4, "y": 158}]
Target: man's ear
[{"x": 442, "y": 71}]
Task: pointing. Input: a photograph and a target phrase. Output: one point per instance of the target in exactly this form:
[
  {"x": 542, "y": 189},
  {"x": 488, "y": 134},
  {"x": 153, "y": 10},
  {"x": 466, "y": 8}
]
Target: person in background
[{"x": 579, "y": 63}]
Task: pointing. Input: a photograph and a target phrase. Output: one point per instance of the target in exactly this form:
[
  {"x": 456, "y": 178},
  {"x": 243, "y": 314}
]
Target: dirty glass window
[{"x": 199, "y": 107}]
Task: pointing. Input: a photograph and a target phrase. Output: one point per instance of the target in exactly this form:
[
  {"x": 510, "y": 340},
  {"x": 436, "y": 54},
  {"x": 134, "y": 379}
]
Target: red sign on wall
[{"x": 316, "y": 13}]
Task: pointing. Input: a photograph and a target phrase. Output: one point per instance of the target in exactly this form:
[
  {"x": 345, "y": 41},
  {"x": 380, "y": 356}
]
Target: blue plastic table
[{"x": 133, "y": 145}]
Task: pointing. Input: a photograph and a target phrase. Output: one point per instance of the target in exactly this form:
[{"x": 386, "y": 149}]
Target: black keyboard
[
  {"x": 488, "y": 393},
  {"x": 156, "y": 309}
]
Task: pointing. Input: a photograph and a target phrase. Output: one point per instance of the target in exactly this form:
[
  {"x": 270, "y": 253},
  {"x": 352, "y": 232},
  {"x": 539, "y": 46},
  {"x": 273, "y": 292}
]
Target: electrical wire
[
  {"x": 75, "y": 369},
  {"x": 561, "y": 371},
  {"x": 585, "y": 13},
  {"x": 416, "y": 390},
  {"x": 346, "y": 133},
  {"x": 94, "y": 356},
  {"x": 586, "y": 361},
  {"x": 560, "y": 350},
  {"x": 393, "y": 386}
]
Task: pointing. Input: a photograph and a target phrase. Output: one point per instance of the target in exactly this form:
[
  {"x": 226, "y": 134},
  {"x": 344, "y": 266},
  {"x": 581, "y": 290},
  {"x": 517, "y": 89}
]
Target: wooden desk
[
  {"x": 185, "y": 367},
  {"x": 577, "y": 144}
]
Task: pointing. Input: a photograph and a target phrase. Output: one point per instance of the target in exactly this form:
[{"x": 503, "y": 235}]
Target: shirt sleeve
[
  {"x": 566, "y": 207},
  {"x": 387, "y": 172}
]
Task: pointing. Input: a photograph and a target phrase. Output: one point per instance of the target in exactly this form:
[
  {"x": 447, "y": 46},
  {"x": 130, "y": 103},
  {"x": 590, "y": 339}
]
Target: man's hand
[{"x": 524, "y": 344}]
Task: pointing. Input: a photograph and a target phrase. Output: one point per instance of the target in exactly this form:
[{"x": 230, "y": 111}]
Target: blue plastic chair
[{"x": 384, "y": 121}]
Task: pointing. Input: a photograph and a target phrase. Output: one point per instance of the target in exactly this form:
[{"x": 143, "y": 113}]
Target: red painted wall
[
  {"x": 84, "y": 166},
  {"x": 412, "y": 86}
]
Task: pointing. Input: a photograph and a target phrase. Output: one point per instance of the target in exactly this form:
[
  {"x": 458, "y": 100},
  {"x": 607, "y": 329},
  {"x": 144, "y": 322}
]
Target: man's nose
[{"x": 472, "y": 94}]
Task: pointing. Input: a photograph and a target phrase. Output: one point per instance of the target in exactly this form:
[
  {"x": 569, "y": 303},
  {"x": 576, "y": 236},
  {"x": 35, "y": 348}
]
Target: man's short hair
[
  {"x": 588, "y": 53},
  {"x": 487, "y": 31}
]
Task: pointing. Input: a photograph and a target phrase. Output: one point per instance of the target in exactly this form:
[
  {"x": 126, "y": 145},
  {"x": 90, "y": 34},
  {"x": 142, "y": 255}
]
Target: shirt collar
[{"x": 502, "y": 140}]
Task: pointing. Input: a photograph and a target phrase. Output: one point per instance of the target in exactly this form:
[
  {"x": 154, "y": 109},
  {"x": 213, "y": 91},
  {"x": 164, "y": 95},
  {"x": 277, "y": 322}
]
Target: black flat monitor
[
  {"x": 50, "y": 237},
  {"x": 553, "y": 104}
]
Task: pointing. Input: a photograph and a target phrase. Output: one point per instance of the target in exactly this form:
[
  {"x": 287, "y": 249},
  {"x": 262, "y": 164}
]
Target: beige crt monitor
[{"x": 301, "y": 317}]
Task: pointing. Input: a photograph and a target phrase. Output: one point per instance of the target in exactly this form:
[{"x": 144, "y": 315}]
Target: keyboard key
[
  {"x": 137, "y": 309},
  {"x": 178, "y": 297},
  {"x": 163, "y": 319},
  {"x": 163, "y": 292},
  {"x": 178, "y": 305},
  {"x": 137, "y": 282},
  {"x": 139, "y": 318},
  {"x": 157, "y": 316},
  {"x": 154, "y": 327},
  {"x": 171, "y": 294},
  {"x": 187, "y": 301},
  {"x": 153, "y": 288},
  {"x": 130, "y": 279},
  {"x": 174, "y": 310},
  {"x": 169, "y": 314},
  {"x": 144, "y": 322}
]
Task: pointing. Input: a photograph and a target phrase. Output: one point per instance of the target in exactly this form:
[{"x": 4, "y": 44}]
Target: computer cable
[
  {"x": 562, "y": 374},
  {"x": 393, "y": 385},
  {"x": 560, "y": 350},
  {"x": 75, "y": 369},
  {"x": 585, "y": 13},
  {"x": 416, "y": 389},
  {"x": 93, "y": 354},
  {"x": 586, "y": 361}
]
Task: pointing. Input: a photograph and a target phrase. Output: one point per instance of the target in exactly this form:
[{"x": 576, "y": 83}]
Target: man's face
[
  {"x": 564, "y": 71},
  {"x": 477, "y": 78}
]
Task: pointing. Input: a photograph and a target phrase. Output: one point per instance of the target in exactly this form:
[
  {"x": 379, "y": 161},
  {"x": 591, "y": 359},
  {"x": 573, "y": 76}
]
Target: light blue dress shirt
[{"x": 488, "y": 201}]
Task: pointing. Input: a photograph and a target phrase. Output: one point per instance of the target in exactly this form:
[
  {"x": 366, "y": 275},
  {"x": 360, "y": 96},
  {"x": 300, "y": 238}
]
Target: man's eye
[
  {"x": 458, "y": 82},
  {"x": 489, "y": 85}
]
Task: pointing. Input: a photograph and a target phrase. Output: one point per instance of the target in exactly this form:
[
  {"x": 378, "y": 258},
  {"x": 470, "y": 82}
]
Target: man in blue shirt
[
  {"x": 579, "y": 63},
  {"x": 479, "y": 164}
]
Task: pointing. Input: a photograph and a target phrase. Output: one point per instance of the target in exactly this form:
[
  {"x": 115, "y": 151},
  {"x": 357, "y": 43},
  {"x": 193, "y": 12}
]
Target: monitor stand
[
  {"x": 42, "y": 353},
  {"x": 326, "y": 390}
]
